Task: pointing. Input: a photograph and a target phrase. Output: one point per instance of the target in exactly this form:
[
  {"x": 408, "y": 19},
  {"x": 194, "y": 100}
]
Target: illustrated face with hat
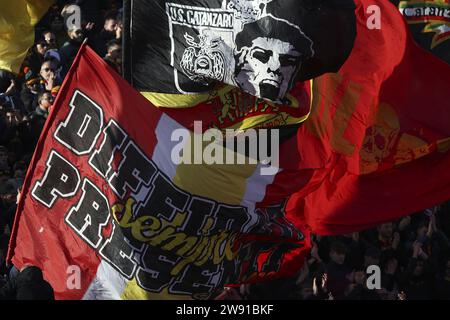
[{"x": 266, "y": 65}]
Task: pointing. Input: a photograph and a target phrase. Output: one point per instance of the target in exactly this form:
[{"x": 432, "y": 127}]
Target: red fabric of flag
[{"x": 379, "y": 131}]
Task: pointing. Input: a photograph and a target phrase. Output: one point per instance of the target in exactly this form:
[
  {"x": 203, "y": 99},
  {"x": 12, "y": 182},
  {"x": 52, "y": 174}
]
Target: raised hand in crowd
[
  {"x": 320, "y": 287},
  {"x": 119, "y": 32},
  {"x": 89, "y": 26}
]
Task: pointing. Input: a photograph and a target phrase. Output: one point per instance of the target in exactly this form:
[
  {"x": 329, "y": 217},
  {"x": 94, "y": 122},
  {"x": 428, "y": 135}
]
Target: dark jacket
[{"x": 28, "y": 285}]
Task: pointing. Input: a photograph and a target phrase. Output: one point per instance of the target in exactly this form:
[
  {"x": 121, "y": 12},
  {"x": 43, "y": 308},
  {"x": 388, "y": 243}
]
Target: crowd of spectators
[
  {"x": 27, "y": 98},
  {"x": 413, "y": 253}
]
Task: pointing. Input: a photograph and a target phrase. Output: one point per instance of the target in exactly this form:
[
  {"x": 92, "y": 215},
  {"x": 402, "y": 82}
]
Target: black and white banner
[{"x": 261, "y": 46}]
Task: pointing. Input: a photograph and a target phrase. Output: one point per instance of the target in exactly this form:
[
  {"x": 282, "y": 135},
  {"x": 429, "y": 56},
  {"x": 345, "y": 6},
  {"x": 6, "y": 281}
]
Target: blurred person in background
[
  {"x": 29, "y": 284},
  {"x": 337, "y": 270},
  {"x": 112, "y": 29},
  {"x": 49, "y": 73},
  {"x": 417, "y": 280},
  {"x": 70, "y": 48},
  {"x": 31, "y": 88},
  {"x": 50, "y": 38},
  {"x": 358, "y": 290},
  {"x": 114, "y": 55},
  {"x": 35, "y": 56},
  {"x": 45, "y": 101}
]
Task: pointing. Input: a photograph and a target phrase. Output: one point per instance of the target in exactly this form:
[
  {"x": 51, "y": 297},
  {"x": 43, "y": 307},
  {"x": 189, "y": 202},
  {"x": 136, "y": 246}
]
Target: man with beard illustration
[{"x": 269, "y": 54}]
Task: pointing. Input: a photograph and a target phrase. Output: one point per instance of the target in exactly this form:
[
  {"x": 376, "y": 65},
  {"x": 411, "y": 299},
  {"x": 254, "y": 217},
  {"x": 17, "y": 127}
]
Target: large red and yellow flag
[
  {"x": 105, "y": 202},
  {"x": 380, "y": 128},
  {"x": 17, "y": 21},
  {"x": 104, "y": 198},
  {"x": 375, "y": 145}
]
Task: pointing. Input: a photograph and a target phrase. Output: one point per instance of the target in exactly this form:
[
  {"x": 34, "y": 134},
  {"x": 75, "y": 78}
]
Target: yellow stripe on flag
[
  {"x": 224, "y": 183},
  {"x": 17, "y": 21},
  {"x": 175, "y": 101},
  {"x": 134, "y": 292},
  {"x": 220, "y": 182}
]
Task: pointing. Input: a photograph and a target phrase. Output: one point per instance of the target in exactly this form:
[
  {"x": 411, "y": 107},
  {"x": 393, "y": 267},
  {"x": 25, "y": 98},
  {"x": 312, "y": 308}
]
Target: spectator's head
[
  {"x": 12, "y": 155},
  {"x": 372, "y": 256},
  {"x": 76, "y": 34},
  {"x": 49, "y": 38},
  {"x": 111, "y": 22},
  {"x": 45, "y": 100},
  {"x": 114, "y": 50},
  {"x": 48, "y": 69},
  {"x": 8, "y": 193},
  {"x": 338, "y": 252},
  {"x": 32, "y": 81},
  {"x": 421, "y": 230},
  {"x": 20, "y": 169},
  {"x": 385, "y": 230},
  {"x": 388, "y": 261},
  {"x": 41, "y": 47},
  {"x": 419, "y": 269}
]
